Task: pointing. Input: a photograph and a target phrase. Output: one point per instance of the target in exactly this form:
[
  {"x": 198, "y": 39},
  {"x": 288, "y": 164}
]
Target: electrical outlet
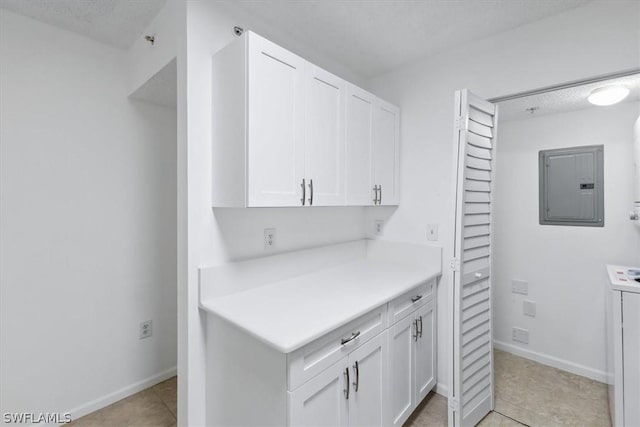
[
  {"x": 379, "y": 227},
  {"x": 520, "y": 287},
  {"x": 269, "y": 238},
  {"x": 520, "y": 335},
  {"x": 432, "y": 232},
  {"x": 529, "y": 308},
  {"x": 146, "y": 329}
]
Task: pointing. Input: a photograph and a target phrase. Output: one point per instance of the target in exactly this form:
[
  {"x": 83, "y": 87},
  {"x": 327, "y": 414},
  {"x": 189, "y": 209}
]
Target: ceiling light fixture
[{"x": 608, "y": 95}]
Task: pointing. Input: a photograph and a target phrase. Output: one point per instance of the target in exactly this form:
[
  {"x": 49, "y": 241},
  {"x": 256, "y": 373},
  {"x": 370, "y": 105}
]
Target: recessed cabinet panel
[
  {"x": 324, "y": 138},
  {"x": 368, "y": 366},
  {"x": 572, "y": 186},
  {"x": 359, "y": 138},
  {"x": 276, "y": 117},
  {"x": 401, "y": 401},
  {"x": 425, "y": 351},
  {"x": 322, "y": 401},
  {"x": 386, "y": 153}
]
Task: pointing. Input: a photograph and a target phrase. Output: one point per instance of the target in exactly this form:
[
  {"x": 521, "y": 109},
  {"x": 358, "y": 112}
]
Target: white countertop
[
  {"x": 619, "y": 281},
  {"x": 290, "y": 313}
]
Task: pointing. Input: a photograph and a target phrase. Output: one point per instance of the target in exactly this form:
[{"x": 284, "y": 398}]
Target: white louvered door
[{"x": 471, "y": 394}]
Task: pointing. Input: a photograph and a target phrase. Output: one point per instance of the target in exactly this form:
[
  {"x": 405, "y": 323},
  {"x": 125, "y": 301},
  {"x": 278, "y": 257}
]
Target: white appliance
[
  {"x": 623, "y": 345},
  {"x": 635, "y": 213}
]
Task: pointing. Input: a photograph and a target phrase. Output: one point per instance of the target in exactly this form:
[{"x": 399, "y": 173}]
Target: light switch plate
[
  {"x": 432, "y": 232},
  {"x": 520, "y": 287},
  {"x": 529, "y": 308}
]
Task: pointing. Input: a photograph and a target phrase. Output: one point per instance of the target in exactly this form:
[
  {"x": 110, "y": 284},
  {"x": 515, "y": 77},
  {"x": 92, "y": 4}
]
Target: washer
[{"x": 623, "y": 345}]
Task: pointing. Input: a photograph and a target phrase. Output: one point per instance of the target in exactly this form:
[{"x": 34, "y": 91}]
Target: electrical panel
[{"x": 572, "y": 186}]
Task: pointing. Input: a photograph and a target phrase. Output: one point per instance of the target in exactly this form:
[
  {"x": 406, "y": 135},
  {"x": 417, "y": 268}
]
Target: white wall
[
  {"x": 563, "y": 265},
  {"x": 596, "y": 39},
  {"x": 216, "y": 236},
  {"x": 145, "y": 59},
  {"x": 88, "y": 243}
]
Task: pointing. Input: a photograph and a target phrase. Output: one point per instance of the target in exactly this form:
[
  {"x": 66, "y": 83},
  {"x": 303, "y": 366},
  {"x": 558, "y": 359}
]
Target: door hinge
[
  {"x": 454, "y": 264},
  {"x": 454, "y": 404},
  {"x": 461, "y": 123}
]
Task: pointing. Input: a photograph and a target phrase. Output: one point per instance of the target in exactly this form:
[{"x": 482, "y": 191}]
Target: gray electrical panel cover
[{"x": 572, "y": 186}]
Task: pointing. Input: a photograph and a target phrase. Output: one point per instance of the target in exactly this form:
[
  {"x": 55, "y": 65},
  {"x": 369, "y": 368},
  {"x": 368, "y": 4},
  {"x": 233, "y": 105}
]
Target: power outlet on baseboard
[{"x": 520, "y": 335}]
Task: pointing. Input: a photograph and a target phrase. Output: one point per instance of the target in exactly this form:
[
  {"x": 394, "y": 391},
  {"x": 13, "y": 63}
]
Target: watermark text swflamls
[{"x": 36, "y": 418}]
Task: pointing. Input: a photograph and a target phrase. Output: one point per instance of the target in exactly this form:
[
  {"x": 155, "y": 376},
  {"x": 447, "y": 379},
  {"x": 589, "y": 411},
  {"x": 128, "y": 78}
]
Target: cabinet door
[
  {"x": 631, "y": 357},
  {"x": 425, "y": 351},
  {"x": 400, "y": 391},
  {"x": 275, "y": 151},
  {"x": 386, "y": 152},
  {"x": 368, "y": 365},
  {"x": 324, "y": 138},
  {"x": 321, "y": 401},
  {"x": 359, "y": 140}
]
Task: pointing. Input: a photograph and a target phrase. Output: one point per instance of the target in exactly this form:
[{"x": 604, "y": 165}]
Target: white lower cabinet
[
  {"x": 412, "y": 357},
  {"x": 350, "y": 392},
  {"x": 373, "y": 371},
  {"x": 321, "y": 401},
  {"x": 425, "y": 352}
]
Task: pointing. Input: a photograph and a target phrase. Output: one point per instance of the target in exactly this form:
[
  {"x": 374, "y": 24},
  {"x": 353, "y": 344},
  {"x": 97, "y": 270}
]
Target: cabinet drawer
[
  {"x": 310, "y": 360},
  {"x": 407, "y": 303}
]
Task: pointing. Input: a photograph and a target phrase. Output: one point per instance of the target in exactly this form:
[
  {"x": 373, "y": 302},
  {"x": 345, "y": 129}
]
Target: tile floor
[
  {"x": 527, "y": 393},
  {"x": 530, "y": 394},
  {"x": 155, "y": 406}
]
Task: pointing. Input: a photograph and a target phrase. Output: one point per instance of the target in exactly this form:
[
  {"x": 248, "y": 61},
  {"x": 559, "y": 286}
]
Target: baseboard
[
  {"x": 127, "y": 391},
  {"x": 552, "y": 361},
  {"x": 442, "y": 390}
]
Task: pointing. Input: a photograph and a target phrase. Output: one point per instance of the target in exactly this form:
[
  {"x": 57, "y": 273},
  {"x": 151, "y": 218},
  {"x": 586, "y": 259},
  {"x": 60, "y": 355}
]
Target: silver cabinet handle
[
  {"x": 311, "y": 191},
  {"x": 420, "y": 333},
  {"x": 416, "y": 298},
  {"x": 380, "y": 197},
  {"x": 351, "y": 338},
  {"x": 356, "y": 383},
  {"x": 415, "y": 323},
  {"x": 375, "y": 194},
  {"x": 346, "y": 389},
  {"x": 304, "y": 192}
]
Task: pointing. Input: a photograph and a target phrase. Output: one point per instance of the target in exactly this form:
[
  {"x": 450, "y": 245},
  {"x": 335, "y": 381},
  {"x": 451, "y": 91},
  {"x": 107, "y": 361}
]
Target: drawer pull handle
[
  {"x": 357, "y": 381},
  {"x": 416, "y": 298},
  {"x": 415, "y": 323},
  {"x": 346, "y": 389},
  {"x": 420, "y": 327},
  {"x": 351, "y": 338}
]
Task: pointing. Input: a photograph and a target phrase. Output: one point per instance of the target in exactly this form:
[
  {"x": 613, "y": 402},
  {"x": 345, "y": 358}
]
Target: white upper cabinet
[
  {"x": 386, "y": 153},
  {"x": 276, "y": 138},
  {"x": 324, "y": 138},
  {"x": 287, "y": 133},
  {"x": 359, "y": 140}
]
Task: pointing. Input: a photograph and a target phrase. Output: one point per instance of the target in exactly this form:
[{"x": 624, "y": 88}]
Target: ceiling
[
  {"x": 374, "y": 36},
  {"x": 564, "y": 100},
  {"x": 114, "y": 22},
  {"x": 368, "y": 36}
]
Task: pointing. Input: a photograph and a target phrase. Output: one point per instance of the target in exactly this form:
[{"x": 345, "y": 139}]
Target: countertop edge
[{"x": 330, "y": 327}]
